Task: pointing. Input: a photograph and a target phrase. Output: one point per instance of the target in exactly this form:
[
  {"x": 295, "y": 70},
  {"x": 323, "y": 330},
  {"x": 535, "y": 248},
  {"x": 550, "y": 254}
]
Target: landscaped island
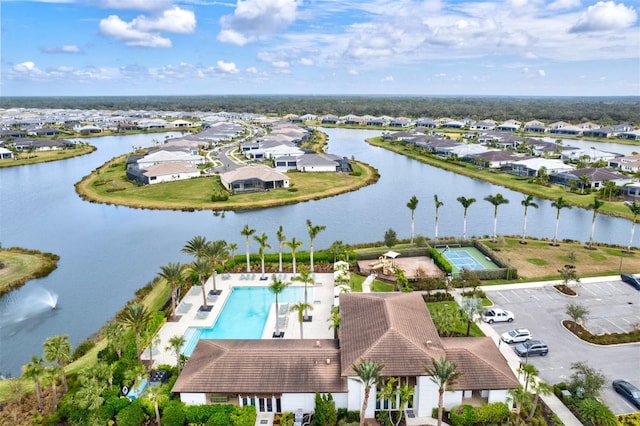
[{"x": 17, "y": 266}]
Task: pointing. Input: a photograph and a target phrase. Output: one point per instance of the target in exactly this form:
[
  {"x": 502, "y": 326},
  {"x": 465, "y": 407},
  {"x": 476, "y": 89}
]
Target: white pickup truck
[{"x": 497, "y": 315}]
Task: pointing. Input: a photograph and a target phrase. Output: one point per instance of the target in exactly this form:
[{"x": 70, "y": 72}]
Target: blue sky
[{"x": 316, "y": 47}]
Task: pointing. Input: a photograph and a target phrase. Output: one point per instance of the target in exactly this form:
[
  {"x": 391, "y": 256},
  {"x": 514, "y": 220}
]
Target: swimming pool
[{"x": 244, "y": 314}]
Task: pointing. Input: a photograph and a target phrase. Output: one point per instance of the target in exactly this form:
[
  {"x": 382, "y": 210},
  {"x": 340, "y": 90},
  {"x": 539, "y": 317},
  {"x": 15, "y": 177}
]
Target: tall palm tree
[
  {"x": 277, "y": 287},
  {"x": 195, "y": 246},
  {"x": 172, "y": 274},
  {"x": 635, "y": 210},
  {"x": 313, "y": 233},
  {"x": 496, "y": 200},
  {"x": 247, "y": 232},
  {"x": 58, "y": 349},
  {"x": 305, "y": 278},
  {"x": 301, "y": 308},
  {"x": 35, "y": 371},
  {"x": 472, "y": 310},
  {"x": 281, "y": 239},
  {"x": 595, "y": 206},
  {"x": 137, "y": 316},
  {"x": 215, "y": 253},
  {"x": 466, "y": 202},
  {"x": 51, "y": 375},
  {"x": 412, "y": 205},
  {"x": 584, "y": 182},
  {"x": 232, "y": 249},
  {"x": 526, "y": 203},
  {"x": 530, "y": 372},
  {"x": 540, "y": 388},
  {"x": 368, "y": 374},
  {"x": 443, "y": 373},
  {"x": 263, "y": 245},
  {"x": 559, "y": 204},
  {"x": 293, "y": 244},
  {"x": 334, "y": 321},
  {"x": 438, "y": 204},
  {"x": 200, "y": 267},
  {"x": 175, "y": 344}
]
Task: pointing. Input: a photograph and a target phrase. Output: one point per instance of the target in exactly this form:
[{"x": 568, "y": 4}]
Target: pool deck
[{"x": 321, "y": 297}]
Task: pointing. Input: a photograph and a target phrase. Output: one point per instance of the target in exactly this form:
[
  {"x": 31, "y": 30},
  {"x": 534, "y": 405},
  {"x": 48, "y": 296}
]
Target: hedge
[{"x": 440, "y": 261}]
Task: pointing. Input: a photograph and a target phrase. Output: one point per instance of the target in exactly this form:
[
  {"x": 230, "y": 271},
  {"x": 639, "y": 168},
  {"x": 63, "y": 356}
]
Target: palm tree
[
  {"x": 277, "y": 287},
  {"x": 519, "y": 396},
  {"x": 472, "y": 310},
  {"x": 215, "y": 253},
  {"x": 584, "y": 182},
  {"x": 334, "y": 321},
  {"x": 232, "y": 249},
  {"x": 51, "y": 375},
  {"x": 526, "y": 203},
  {"x": 262, "y": 241},
  {"x": 466, "y": 202},
  {"x": 172, "y": 274},
  {"x": 305, "y": 278},
  {"x": 496, "y": 200},
  {"x": 293, "y": 244},
  {"x": 597, "y": 203},
  {"x": 313, "y": 233},
  {"x": 137, "y": 316},
  {"x": 247, "y": 232},
  {"x": 58, "y": 349},
  {"x": 635, "y": 210},
  {"x": 412, "y": 205},
  {"x": 530, "y": 371},
  {"x": 200, "y": 267},
  {"x": 175, "y": 344},
  {"x": 35, "y": 371},
  {"x": 195, "y": 246},
  {"x": 301, "y": 308},
  {"x": 281, "y": 239},
  {"x": 559, "y": 204},
  {"x": 540, "y": 388},
  {"x": 438, "y": 204},
  {"x": 368, "y": 372},
  {"x": 444, "y": 375}
]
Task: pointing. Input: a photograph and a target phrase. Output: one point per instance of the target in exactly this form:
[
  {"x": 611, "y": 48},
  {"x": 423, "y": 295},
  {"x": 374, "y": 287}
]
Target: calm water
[
  {"x": 245, "y": 313},
  {"x": 107, "y": 252}
]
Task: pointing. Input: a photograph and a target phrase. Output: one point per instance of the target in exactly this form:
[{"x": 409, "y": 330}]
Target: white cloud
[
  {"x": 563, "y": 4},
  {"x": 252, "y": 70},
  {"x": 387, "y": 79},
  {"x": 542, "y": 73},
  {"x": 120, "y": 30},
  {"x": 227, "y": 67},
  {"x": 280, "y": 64},
  {"x": 352, "y": 72},
  {"x": 255, "y": 19},
  {"x": 605, "y": 16},
  {"x": 305, "y": 61},
  {"x": 26, "y": 67},
  {"x": 69, "y": 48},
  {"x": 145, "y": 31}
]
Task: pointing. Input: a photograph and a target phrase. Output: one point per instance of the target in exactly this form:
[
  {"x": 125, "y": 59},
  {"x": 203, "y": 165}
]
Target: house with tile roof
[
  {"x": 394, "y": 329},
  {"x": 253, "y": 178}
]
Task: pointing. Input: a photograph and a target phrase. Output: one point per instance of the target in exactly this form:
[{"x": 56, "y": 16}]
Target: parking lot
[{"x": 613, "y": 307}]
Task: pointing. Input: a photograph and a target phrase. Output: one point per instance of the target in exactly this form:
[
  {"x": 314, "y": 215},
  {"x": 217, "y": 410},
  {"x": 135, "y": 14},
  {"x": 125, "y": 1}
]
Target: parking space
[{"x": 613, "y": 307}]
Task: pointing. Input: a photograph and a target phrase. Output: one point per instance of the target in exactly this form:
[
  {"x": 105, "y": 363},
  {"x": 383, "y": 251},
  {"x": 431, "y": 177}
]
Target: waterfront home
[{"x": 253, "y": 178}]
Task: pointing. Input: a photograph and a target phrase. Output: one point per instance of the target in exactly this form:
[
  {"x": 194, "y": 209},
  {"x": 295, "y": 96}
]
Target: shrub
[
  {"x": 348, "y": 416},
  {"x": 83, "y": 348},
  {"x": 325, "y": 411},
  {"x": 133, "y": 415},
  {"x": 173, "y": 414},
  {"x": 594, "y": 413},
  {"x": 439, "y": 296},
  {"x": 219, "y": 419},
  {"x": 629, "y": 419},
  {"x": 440, "y": 260},
  {"x": 245, "y": 416},
  {"x": 462, "y": 415},
  {"x": 496, "y": 413}
]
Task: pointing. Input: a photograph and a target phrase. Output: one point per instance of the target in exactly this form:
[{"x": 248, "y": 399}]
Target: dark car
[
  {"x": 628, "y": 391},
  {"x": 631, "y": 279},
  {"x": 531, "y": 347}
]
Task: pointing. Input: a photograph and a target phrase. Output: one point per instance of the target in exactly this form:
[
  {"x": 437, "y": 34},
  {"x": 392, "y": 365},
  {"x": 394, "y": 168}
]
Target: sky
[{"x": 319, "y": 47}]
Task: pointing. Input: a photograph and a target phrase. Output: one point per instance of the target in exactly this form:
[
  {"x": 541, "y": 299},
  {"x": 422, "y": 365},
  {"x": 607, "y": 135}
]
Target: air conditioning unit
[{"x": 298, "y": 416}]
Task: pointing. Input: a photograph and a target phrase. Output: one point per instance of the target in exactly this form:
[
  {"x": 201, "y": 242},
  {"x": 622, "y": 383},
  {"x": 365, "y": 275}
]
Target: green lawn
[{"x": 46, "y": 156}]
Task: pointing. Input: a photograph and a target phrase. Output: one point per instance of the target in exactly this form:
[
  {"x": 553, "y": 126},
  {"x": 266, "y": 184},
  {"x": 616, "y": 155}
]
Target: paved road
[{"x": 613, "y": 306}]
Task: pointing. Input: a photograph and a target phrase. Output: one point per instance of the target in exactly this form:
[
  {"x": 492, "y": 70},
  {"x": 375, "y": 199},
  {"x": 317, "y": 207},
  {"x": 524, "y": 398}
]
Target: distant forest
[{"x": 602, "y": 110}]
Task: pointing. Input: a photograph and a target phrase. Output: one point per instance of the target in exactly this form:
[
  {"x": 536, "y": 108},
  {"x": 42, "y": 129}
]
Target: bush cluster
[{"x": 487, "y": 414}]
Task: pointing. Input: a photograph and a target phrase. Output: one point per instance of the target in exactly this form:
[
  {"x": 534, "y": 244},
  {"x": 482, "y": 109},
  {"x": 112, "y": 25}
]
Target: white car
[
  {"x": 497, "y": 315},
  {"x": 516, "y": 335}
]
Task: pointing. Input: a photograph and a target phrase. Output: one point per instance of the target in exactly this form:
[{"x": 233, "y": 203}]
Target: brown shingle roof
[
  {"x": 265, "y": 366},
  {"x": 480, "y": 363},
  {"x": 392, "y": 328}
]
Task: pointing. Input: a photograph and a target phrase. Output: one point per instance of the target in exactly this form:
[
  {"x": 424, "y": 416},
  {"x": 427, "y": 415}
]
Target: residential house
[
  {"x": 426, "y": 123},
  {"x": 163, "y": 172},
  {"x": 401, "y": 122},
  {"x": 5, "y": 154},
  {"x": 164, "y": 156},
  {"x": 483, "y": 125},
  {"x": 529, "y": 167},
  {"x": 496, "y": 159},
  {"x": 253, "y": 178},
  {"x": 631, "y": 191},
  {"x": 567, "y": 130},
  {"x": 633, "y": 135},
  {"x": 394, "y": 329},
  {"x": 509, "y": 126},
  {"x": 591, "y": 155},
  {"x": 330, "y": 119},
  {"x": 629, "y": 163},
  {"x": 601, "y": 132},
  {"x": 535, "y": 126},
  {"x": 595, "y": 177}
]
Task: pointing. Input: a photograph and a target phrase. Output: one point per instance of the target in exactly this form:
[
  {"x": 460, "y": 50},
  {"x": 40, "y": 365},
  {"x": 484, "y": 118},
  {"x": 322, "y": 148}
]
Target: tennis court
[{"x": 466, "y": 258}]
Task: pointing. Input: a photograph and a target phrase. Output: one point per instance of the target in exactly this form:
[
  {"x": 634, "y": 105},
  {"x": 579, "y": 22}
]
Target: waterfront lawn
[
  {"x": 109, "y": 185},
  {"x": 17, "y": 266},
  {"x": 25, "y": 158},
  {"x": 516, "y": 183}
]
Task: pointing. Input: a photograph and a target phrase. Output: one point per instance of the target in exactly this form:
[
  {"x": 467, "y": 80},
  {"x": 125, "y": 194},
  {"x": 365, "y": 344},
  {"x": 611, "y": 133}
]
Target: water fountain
[{"x": 27, "y": 304}]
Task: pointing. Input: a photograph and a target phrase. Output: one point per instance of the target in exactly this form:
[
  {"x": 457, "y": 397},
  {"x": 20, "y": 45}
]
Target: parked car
[
  {"x": 497, "y": 315},
  {"x": 516, "y": 335},
  {"x": 631, "y": 279},
  {"x": 628, "y": 390},
  {"x": 531, "y": 347}
]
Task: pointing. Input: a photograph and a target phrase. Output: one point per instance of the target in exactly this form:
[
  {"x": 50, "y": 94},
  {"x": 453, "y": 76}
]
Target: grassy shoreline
[
  {"x": 515, "y": 183},
  {"x": 48, "y": 156},
  {"x": 21, "y": 265},
  {"x": 108, "y": 184}
]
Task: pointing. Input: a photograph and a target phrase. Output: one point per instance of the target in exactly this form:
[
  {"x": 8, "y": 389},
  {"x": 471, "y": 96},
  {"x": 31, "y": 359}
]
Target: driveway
[{"x": 613, "y": 307}]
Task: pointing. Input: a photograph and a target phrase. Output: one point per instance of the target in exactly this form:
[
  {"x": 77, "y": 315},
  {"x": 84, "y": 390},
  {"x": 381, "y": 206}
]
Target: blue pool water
[{"x": 244, "y": 314}]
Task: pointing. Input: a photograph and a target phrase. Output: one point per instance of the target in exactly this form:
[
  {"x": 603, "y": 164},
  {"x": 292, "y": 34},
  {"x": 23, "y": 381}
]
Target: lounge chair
[
  {"x": 201, "y": 315},
  {"x": 282, "y": 322},
  {"x": 283, "y": 309}
]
